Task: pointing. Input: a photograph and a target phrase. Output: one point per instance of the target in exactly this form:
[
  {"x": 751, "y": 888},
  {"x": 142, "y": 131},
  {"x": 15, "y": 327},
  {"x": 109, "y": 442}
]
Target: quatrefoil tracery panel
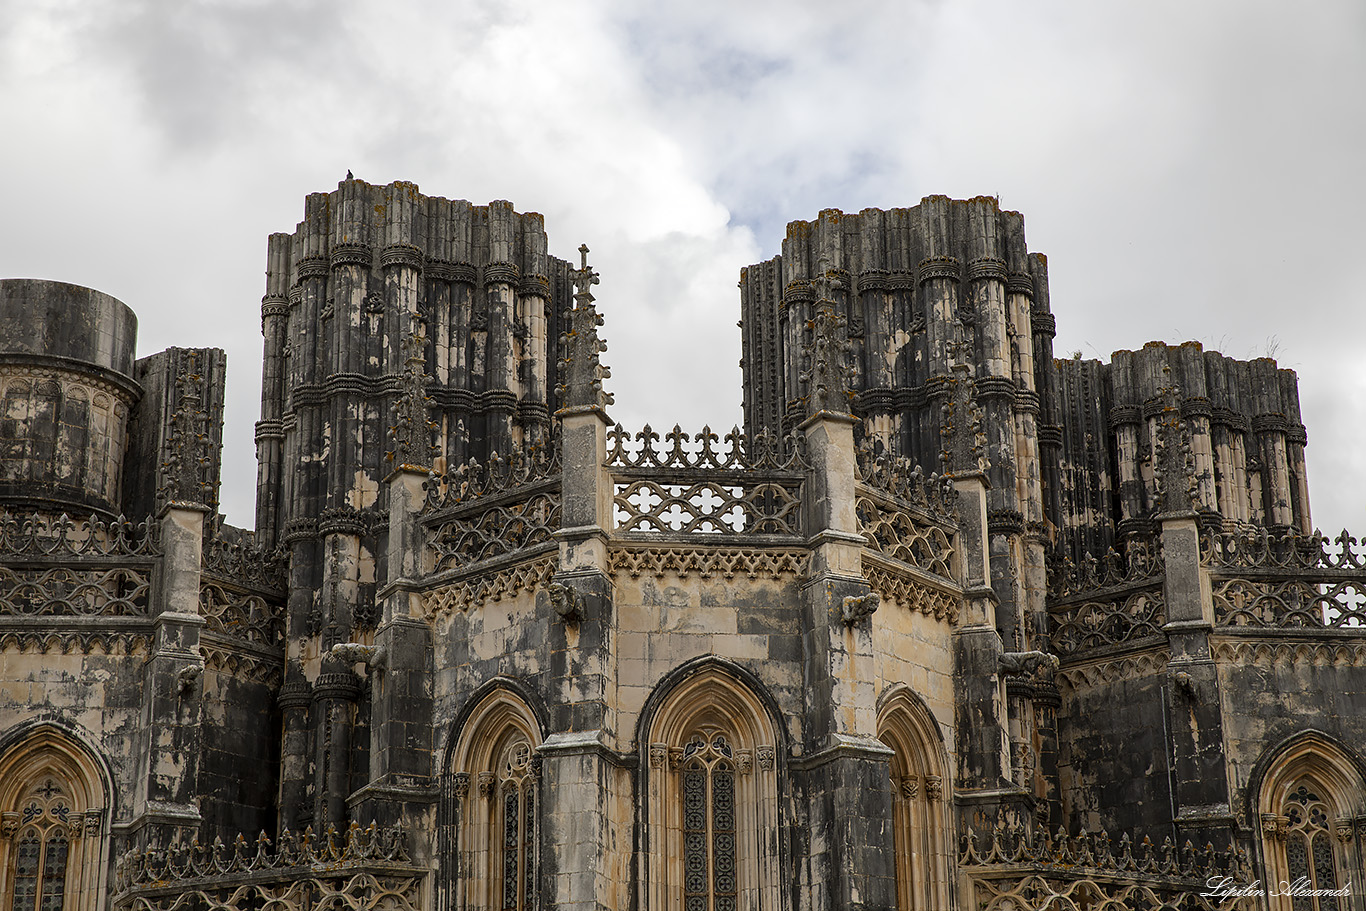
[{"x": 707, "y": 507}]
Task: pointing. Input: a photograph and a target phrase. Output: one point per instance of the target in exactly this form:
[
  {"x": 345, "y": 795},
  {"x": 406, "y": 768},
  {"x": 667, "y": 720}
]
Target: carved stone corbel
[
  {"x": 857, "y": 608},
  {"x": 566, "y": 601},
  {"x": 1023, "y": 664}
]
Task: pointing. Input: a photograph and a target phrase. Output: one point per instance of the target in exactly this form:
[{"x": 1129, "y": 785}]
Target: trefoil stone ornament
[{"x": 581, "y": 371}]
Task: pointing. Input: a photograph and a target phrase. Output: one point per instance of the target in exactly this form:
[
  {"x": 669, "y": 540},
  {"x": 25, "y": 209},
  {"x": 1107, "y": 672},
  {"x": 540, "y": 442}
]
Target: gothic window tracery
[
  {"x": 518, "y": 826},
  {"x": 1309, "y": 853},
  {"x": 51, "y": 826},
  {"x": 710, "y": 808},
  {"x": 1308, "y": 803},
  {"x": 491, "y": 809},
  {"x": 709, "y": 865},
  {"x": 41, "y": 849}
]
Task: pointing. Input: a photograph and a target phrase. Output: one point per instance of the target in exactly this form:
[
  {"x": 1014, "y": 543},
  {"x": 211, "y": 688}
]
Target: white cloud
[{"x": 1190, "y": 170}]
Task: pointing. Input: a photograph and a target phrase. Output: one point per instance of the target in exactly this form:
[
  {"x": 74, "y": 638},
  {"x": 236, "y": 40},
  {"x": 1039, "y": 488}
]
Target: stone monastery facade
[{"x": 948, "y": 624}]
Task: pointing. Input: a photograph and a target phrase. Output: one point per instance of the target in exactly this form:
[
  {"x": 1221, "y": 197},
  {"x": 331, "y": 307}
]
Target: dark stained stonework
[{"x": 951, "y": 623}]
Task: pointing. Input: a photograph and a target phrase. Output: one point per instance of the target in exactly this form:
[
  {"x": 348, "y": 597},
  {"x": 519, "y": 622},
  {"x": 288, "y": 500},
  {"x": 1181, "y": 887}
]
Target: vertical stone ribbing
[
  {"x": 367, "y": 266},
  {"x": 270, "y": 428}
]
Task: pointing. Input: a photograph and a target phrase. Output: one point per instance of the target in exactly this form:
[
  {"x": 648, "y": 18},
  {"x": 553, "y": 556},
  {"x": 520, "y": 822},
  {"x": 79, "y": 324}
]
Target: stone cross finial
[
  {"x": 584, "y": 277},
  {"x": 1173, "y": 458}
]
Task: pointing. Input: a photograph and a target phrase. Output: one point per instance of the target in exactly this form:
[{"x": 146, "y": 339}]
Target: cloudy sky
[{"x": 1192, "y": 170}]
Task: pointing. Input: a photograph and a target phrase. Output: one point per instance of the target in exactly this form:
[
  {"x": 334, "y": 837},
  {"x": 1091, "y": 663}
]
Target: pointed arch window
[
  {"x": 1309, "y": 802},
  {"x": 52, "y": 850},
  {"x": 709, "y": 861},
  {"x": 42, "y": 848},
  {"x": 518, "y": 797},
  {"x": 920, "y": 814},
  {"x": 491, "y": 809},
  {"x": 1309, "y": 851},
  {"x": 710, "y": 807}
]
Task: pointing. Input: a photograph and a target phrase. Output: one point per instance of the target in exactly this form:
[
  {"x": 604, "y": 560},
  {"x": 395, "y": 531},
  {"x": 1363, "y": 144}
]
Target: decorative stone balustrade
[
  {"x": 747, "y": 488},
  {"x": 359, "y": 868},
  {"x": 1262, "y": 579},
  {"x": 1016, "y": 870}
]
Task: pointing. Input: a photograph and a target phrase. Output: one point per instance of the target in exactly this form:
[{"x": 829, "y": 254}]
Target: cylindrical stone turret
[{"x": 66, "y": 395}]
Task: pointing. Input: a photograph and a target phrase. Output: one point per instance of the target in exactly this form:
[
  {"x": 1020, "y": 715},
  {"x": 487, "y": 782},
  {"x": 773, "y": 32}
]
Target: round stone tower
[{"x": 66, "y": 394}]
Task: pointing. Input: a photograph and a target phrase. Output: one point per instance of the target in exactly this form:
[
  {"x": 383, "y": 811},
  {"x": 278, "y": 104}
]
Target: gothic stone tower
[
  {"x": 950, "y": 624},
  {"x": 1126, "y": 504},
  {"x": 371, "y": 278}
]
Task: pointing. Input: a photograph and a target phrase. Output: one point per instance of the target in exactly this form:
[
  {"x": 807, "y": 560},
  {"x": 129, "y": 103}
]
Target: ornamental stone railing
[
  {"x": 748, "y": 488},
  {"x": 1110, "y": 601},
  {"x": 60, "y": 566},
  {"x": 1262, "y": 579},
  {"x": 474, "y": 480},
  {"x": 493, "y": 510},
  {"x": 1015, "y": 870},
  {"x": 361, "y": 869}
]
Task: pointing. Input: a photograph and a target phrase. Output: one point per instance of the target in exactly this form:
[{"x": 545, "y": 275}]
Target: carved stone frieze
[
  {"x": 707, "y": 562},
  {"x": 491, "y": 585}
]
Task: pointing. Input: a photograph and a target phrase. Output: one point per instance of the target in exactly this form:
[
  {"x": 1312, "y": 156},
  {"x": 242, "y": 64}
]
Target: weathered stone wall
[
  {"x": 239, "y": 769},
  {"x": 1114, "y": 755},
  {"x": 916, "y": 649},
  {"x": 1274, "y": 690},
  {"x": 90, "y": 685}
]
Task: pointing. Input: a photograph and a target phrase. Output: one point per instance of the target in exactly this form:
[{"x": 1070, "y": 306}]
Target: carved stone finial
[
  {"x": 827, "y": 372},
  {"x": 584, "y": 277},
  {"x": 581, "y": 371},
  {"x": 185, "y": 473},
  {"x": 412, "y": 428},
  {"x": 1173, "y": 458},
  {"x": 962, "y": 428}
]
